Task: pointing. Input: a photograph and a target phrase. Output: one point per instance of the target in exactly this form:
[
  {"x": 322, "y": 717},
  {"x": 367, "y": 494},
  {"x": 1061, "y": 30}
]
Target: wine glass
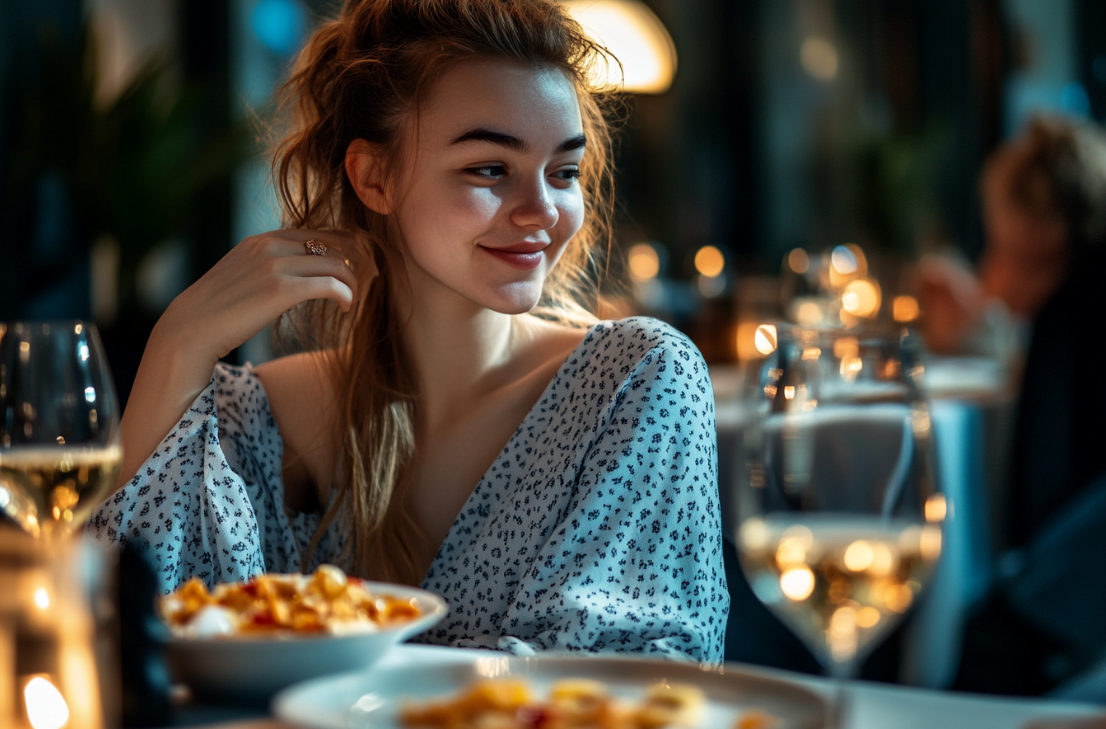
[
  {"x": 839, "y": 519},
  {"x": 59, "y": 425}
]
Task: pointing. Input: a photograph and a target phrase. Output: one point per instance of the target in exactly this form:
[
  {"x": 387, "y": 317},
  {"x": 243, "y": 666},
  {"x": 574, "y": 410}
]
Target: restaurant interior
[{"x": 784, "y": 169}]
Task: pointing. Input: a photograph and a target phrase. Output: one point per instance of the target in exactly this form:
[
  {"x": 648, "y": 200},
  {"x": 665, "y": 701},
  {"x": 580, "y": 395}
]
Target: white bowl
[{"x": 250, "y": 669}]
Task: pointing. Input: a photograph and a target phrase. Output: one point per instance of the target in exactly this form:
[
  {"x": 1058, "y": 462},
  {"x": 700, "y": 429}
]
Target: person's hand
[
  {"x": 952, "y": 303},
  {"x": 260, "y": 279},
  {"x": 257, "y": 281}
]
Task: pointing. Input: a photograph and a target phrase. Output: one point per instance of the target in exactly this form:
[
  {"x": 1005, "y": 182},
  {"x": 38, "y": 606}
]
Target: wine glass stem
[{"x": 840, "y": 673}]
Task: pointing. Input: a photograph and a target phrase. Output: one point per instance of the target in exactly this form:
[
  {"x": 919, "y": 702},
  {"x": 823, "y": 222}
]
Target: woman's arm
[{"x": 260, "y": 278}]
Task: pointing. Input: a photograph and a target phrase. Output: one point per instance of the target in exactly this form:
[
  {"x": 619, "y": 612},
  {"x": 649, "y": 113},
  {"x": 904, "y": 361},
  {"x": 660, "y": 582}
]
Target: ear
[{"x": 365, "y": 169}]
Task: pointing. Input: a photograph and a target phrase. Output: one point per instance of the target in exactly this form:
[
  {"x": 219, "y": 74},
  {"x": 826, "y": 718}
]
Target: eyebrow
[{"x": 514, "y": 143}]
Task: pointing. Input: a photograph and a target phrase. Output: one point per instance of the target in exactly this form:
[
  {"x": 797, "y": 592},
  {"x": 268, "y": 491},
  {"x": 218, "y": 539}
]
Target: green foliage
[{"x": 898, "y": 178}]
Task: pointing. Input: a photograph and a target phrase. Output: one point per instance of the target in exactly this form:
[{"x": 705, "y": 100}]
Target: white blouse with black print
[{"x": 596, "y": 529}]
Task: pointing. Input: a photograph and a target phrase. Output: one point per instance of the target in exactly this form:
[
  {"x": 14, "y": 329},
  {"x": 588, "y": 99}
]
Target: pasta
[
  {"x": 326, "y": 601},
  {"x": 572, "y": 704}
]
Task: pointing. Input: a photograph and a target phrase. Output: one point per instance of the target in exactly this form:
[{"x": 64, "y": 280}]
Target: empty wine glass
[
  {"x": 839, "y": 519},
  {"x": 59, "y": 425}
]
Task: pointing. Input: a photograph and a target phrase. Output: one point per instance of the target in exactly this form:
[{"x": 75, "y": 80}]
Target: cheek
[
  {"x": 571, "y": 216},
  {"x": 438, "y": 219}
]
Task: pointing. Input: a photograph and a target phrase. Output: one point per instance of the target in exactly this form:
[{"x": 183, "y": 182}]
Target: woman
[{"x": 459, "y": 421}]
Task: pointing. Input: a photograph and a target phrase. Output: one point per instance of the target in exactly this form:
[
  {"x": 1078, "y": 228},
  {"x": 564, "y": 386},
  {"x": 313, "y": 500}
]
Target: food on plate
[
  {"x": 757, "y": 719},
  {"x": 571, "y": 704},
  {"x": 324, "y": 602}
]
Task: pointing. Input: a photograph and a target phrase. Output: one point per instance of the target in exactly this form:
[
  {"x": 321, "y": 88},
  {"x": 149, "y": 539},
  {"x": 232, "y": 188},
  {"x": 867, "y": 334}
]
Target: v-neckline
[{"x": 485, "y": 479}]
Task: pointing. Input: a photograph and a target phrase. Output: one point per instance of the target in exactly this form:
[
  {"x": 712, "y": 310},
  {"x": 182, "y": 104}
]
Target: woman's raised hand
[{"x": 256, "y": 282}]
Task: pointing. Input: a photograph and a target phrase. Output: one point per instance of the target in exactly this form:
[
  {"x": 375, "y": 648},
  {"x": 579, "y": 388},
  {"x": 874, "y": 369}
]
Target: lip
[{"x": 522, "y": 256}]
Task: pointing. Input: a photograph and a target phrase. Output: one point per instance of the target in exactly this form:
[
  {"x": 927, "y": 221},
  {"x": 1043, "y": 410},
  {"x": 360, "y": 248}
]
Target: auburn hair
[
  {"x": 363, "y": 75},
  {"x": 1057, "y": 168}
]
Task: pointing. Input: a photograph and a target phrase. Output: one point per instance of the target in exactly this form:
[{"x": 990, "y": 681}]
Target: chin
[{"x": 518, "y": 298}]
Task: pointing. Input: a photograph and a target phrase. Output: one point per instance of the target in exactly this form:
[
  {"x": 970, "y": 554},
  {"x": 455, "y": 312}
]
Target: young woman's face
[{"x": 492, "y": 197}]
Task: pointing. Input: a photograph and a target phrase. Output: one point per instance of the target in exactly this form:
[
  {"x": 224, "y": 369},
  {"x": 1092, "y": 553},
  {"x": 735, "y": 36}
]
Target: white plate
[
  {"x": 246, "y": 669},
  {"x": 370, "y": 699}
]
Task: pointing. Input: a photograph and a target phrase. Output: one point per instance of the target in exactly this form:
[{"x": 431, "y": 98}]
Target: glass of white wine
[
  {"x": 59, "y": 425},
  {"x": 839, "y": 518}
]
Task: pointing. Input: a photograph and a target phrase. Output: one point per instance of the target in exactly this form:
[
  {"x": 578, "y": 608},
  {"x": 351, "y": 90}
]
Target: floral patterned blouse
[{"x": 597, "y": 528}]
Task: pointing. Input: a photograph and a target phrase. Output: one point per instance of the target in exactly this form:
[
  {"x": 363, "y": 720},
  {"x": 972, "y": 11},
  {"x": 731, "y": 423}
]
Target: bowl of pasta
[{"x": 244, "y": 641}]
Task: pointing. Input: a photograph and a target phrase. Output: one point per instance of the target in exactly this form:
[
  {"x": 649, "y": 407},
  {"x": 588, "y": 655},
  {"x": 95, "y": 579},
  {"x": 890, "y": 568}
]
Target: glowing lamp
[
  {"x": 905, "y": 309},
  {"x": 861, "y": 297},
  {"x": 635, "y": 36},
  {"x": 644, "y": 262},
  {"x": 709, "y": 261},
  {"x": 765, "y": 339}
]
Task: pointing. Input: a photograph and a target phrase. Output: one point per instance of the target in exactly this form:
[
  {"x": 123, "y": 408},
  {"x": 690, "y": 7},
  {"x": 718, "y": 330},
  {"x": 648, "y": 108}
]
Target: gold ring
[{"x": 315, "y": 247}]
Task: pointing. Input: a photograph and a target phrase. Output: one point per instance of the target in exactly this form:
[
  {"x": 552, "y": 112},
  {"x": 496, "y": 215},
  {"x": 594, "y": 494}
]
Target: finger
[
  {"x": 338, "y": 239},
  {"x": 298, "y": 289},
  {"x": 316, "y": 266}
]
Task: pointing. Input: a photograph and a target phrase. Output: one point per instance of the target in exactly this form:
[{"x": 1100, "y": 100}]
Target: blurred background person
[
  {"x": 1044, "y": 210},
  {"x": 1044, "y": 201}
]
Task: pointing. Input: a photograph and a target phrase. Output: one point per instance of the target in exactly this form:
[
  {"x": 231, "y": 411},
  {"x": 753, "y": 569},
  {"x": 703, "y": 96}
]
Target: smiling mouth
[{"x": 524, "y": 256}]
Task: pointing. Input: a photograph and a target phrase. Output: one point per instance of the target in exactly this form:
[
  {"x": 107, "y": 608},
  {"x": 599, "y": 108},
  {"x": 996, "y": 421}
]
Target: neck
[{"x": 458, "y": 347}]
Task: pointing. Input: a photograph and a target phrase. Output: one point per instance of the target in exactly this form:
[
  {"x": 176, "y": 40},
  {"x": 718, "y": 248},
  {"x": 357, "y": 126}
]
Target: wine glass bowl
[
  {"x": 838, "y": 513},
  {"x": 59, "y": 425}
]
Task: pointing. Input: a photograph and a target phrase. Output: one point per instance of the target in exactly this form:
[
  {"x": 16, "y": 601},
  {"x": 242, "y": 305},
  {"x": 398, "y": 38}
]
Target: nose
[{"x": 535, "y": 208}]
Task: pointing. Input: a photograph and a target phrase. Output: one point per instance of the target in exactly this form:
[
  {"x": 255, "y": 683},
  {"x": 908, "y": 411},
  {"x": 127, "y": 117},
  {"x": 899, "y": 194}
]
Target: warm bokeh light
[
  {"x": 867, "y": 617},
  {"x": 635, "y": 36},
  {"x": 861, "y": 297},
  {"x": 798, "y": 261},
  {"x": 46, "y": 707},
  {"x": 754, "y": 534},
  {"x": 905, "y": 309},
  {"x": 791, "y": 552},
  {"x": 789, "y": 392},
  {"x": 930, "y": 543},
  {"x": 765, "y": 338},
  {"x": 709, "y": 261},
  {"x": 846, "y": 347},
  {"x": 809, "y": 314},
  {"x": 745, "y": 341},
  {"x": 797, "y": 583},
  {"x": 859, "y": 556},
  {"x": 42, "y": 598},
  {"x": 819, "y": 58},
  {"x": 883, "y": 560},
  {"x": 936, "y": 508},
  {"x": 897, "y": 598},
  {"x": 644, "y": 262}
]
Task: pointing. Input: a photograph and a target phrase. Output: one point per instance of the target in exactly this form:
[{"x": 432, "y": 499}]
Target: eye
[
  {"x": 568, "y": 174},
  {"x": 487, "y": 172}
]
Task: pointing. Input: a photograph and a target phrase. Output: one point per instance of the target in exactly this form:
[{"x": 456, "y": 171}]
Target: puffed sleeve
[
  {"x": 635, "y": 562},
  {"x": 209, "y": 502}
]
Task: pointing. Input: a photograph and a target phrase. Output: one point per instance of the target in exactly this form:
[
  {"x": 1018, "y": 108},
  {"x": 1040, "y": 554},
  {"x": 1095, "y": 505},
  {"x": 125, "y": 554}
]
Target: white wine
[
  {"x": 838, "y": 581},
  {"x": 53, "y": 489}
]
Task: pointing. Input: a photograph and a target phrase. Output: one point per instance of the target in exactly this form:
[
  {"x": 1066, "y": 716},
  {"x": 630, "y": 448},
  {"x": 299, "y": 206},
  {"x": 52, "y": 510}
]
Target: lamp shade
[{"x": 636, "y": 37}]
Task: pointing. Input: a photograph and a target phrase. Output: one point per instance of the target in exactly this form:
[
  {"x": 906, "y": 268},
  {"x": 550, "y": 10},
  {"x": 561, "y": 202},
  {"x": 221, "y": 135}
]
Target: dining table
[{"x": 863, "y": 705}]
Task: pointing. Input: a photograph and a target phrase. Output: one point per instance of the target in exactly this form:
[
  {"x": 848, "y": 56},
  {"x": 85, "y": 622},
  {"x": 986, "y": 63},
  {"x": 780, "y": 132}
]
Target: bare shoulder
[{"x": 303, "y": 403}]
